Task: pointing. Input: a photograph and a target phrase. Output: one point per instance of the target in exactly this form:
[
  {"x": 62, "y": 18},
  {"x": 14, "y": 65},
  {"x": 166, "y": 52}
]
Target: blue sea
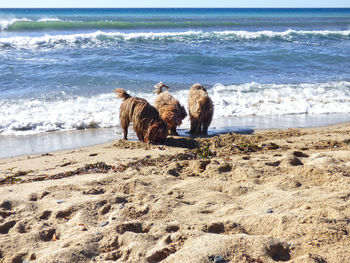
[{"x": 263, "y": 68}]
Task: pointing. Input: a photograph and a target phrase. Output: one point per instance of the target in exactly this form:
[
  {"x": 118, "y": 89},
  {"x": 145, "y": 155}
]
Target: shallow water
[{"x": 54, "y": 141}]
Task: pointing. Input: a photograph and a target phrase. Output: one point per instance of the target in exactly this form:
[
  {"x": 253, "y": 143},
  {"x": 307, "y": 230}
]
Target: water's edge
[{"x": 12, "y": 146}]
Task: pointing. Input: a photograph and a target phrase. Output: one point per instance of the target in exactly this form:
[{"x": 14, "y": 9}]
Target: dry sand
[{"x": 274, "y": 196}]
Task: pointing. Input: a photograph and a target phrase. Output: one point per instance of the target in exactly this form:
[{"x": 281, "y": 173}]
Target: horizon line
[{"x": 315, "y": 7}]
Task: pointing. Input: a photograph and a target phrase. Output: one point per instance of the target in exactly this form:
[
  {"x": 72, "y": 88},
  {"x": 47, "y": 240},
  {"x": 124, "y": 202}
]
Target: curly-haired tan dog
[
  {"x": 169, "y": 108},
  {"x": 148, "y": 126},
  {"x": 201, "y": 109}
]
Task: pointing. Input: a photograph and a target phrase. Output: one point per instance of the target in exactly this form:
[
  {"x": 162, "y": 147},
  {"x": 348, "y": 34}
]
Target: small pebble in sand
[
  {"x": 103, "y": 224},
  {"x": 217, "y": 259}
]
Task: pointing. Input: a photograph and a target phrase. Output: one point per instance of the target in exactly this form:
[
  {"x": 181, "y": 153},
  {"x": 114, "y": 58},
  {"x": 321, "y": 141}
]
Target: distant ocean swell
[
  {"x": 31, "y": 116},
  {"x": 17, "y": 25},
  {"x": 54, "y": 24},
  {"x": 99, "y": 38}
]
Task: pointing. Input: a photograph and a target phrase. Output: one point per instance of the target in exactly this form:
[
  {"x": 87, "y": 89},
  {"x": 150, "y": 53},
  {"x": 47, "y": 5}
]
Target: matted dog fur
[
  {"x": 147, "y": 124},
  {"x": 169, "y": 108},
  {"x": 201, "y": 109}
]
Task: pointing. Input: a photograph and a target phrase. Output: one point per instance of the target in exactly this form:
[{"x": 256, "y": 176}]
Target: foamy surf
[
  {"x": 99, "y": 38},
  {"x": 32, "y": 116},
  {"x": 5, "y": 23},
  {"x": 281, "y": 99},
  {"x": 50, "y": 19}
]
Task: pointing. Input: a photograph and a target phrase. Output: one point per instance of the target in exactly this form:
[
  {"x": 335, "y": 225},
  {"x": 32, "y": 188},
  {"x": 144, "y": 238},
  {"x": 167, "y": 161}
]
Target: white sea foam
[
  {"x": 50, "y": 19},
  {"x": 5, "y": 23},
  {"x": 285, "y": 34},
  {"x": 100, "y": 37},
  {"x": 272, "y": 99},
  {"x": 35, "y": 116}
]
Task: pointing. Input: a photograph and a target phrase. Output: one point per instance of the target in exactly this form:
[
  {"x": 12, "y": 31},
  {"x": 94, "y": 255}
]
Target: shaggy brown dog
[
  {"x": 201, "y": 109},
  {"x": 170, "y": 109},
  {"x": 148, "y": 126}
]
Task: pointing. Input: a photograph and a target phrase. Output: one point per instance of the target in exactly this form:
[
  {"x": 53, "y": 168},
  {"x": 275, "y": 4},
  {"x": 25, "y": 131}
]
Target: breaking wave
[
  {"x": 31, "y": 116},
  {"x": 99, "y": 38}
]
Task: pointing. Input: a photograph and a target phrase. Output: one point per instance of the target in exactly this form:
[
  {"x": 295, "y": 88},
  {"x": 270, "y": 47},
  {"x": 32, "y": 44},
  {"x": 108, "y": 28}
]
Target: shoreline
[
  {"x": 275, "y": 195},
  {"x": 17, "y": 145}
]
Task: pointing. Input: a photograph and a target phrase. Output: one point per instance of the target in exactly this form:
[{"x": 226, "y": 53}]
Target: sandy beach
[{"x": 270, "y": 196}]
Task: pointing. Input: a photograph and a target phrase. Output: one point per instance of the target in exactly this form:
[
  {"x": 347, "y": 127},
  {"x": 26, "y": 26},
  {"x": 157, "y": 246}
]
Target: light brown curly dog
[
  {"x": 148, "y": 126},
  {"x": 169, "y": 108},
  {"x": 201, "y": 109}
]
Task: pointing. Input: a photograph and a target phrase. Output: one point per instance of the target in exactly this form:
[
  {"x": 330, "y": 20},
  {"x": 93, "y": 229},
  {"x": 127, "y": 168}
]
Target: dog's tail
[
  {"x": 122, "y": 94},
  {"x": 159, "y": 88}
]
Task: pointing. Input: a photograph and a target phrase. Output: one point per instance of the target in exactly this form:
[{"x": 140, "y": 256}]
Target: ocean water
[{"x": 59, "y": 67}]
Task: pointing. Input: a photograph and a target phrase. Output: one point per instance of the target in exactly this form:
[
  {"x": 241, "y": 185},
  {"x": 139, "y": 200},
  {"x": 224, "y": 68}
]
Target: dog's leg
[
  {"x": 173, "y": 131},
  {"x": 199, "y": 128},
  {"x": 205, "y": 128},
  {"x": 140, "y": 128},
  {"x": 206, "y": 123},
  {"x": 140, "y": 136},
  {"x": 194, "y": 125},
  {"x": 125, "y": 126}
]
